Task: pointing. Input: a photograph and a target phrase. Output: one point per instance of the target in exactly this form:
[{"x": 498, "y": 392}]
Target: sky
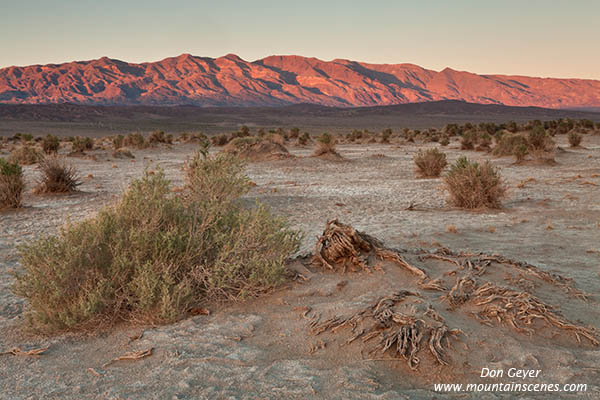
[{"x": 529, "y": 37}]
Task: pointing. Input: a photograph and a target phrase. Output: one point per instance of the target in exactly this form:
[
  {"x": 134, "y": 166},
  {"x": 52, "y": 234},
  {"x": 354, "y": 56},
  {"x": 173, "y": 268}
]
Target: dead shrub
[
  {"x": 11, "y": 184},
  {"x": 575, "y": 139},
  {"x": 57, "y": 176},
  {"x": 25, "y": 155},
  {"x": 50, "y": 144},
  {"x": 155, "y": 254},
  {"x": 430, "y": 162},
  {"x": 472, "y": 185}
]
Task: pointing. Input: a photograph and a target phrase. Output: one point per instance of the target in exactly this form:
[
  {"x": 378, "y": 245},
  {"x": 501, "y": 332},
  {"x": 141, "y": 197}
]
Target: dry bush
[
  {"x": 11, "y": 184},
  {"x": 574, "y": 139},
  {"x": 57, "y": 176},
  {"x": 325, "y": 145},
  {"x": 258, "y": 149},
  {"x": 157, "y": 137},
  {"x": 220, "y": 140},
  {"x": 135, "y": 140},
  {"x": 430, "y": 163},
  {"x": 303, "y": 139},
  {"x": 50, "y": 144},
  {"x": 82, "y": 144},
  {"x": 118, "y": 141},
  {"x": 156, "y": 254},
  {"x": 472, "y": 185},
  {"x": 25, "y": 155}
]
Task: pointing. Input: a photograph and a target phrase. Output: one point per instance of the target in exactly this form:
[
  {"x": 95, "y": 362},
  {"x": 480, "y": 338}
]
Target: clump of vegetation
[
  {"x": 294, "y": 133},
  {"x": 118, "y": 141},
  {"x": 220, "y": 140},
  {"x": 444, "y": 141},
  {"x": 303, "y": 139},
  {"x": 11, "y": 184},
  {"x": 473, "y": 185},
  {"x": 50, "y": 144},
  {"x": 467, "y": 141},
  {"x": 325, "y": 145},
  {"x": 82, "y": 144},
  {"x": 430, "y": 163},
  {"x": 25, "y": 154},
  {"x": 158, "y": 136},
  {"x": 57, "y": 176},
  {"x": 509, "y": 143},
  {"x": 258, "y": 149},
  {"x": 24, "y": 137},
  {"x": 574, "y": 138},
  {"x": 156, "y": 254},
  {"x": 135, "y": 140}
]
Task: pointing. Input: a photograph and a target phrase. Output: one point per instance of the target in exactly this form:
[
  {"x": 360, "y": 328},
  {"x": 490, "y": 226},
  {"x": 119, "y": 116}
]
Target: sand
[{"x": 263, "y": 348}]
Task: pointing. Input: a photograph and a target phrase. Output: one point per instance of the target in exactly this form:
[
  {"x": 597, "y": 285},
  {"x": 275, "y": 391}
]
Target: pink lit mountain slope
[{"x": 279, "y": 80}]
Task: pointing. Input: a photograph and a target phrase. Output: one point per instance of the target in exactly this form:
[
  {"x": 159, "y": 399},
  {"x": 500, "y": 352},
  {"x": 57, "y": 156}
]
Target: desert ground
[{"x": 267, "y": 347}]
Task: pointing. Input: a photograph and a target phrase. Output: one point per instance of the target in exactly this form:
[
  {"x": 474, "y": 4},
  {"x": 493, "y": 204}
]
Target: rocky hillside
[{"x": 279, "y": 80}]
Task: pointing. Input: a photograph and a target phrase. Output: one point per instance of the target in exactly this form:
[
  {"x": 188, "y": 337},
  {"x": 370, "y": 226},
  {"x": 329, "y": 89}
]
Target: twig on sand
[
  {"x": 131, "y": 355},
  {"x": 18, "y": 352}
]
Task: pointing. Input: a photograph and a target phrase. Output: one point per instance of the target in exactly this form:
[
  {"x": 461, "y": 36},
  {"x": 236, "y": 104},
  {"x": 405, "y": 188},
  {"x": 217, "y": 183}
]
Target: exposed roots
[
  {"x": 520, "y": 310},
  {"x": 398, "y": 334}
]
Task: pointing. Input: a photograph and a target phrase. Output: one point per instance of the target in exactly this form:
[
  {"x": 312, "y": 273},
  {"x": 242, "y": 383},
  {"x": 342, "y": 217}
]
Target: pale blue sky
[{"x": 537, "y": 38}]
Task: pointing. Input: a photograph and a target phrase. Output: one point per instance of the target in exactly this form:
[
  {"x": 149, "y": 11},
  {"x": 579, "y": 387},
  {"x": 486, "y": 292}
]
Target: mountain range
[{"x": 279, "y": 81}]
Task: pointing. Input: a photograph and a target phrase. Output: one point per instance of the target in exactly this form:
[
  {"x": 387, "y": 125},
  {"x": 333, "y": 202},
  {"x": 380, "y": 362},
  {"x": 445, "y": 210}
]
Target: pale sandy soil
[{"x": 261, "y": 348}]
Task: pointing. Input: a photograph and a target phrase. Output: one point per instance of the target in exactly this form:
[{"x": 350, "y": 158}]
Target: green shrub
[
  {"x": 575, "y": 139},
  {"x": 472, "y": 185},
  {"x": 430, "y": 163},
  {"x": 155, "y": 254},
  {"x": 467, "y": 141},
  {"x": 25, "y": 154},
  {"x": 57, "y": 176},
  {"x": 50, "y": 144},
  {"x": 11, "y": 184},
  {"x": 538, "y": 138}
]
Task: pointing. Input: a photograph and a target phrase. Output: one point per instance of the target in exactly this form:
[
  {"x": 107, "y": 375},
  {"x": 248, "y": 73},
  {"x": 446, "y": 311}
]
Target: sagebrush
[
  {"x": 430, "y": 163},
  {"x": 155, "y": 254},
  {"x": 57, "y": 176},
  {"x": 473, "y": 185},
  {"x": 11, "y": 184}
]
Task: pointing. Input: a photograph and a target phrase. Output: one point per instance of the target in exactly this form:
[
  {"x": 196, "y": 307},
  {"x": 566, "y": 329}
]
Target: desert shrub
[
  {"x": 50, "y": 144},
  {"x": 385, "y": 135},
  {"x": 82, "y": 144},
  {"x": 25, "y": 154},
  {"x": 24, "y": 137},
  {"x": 538, "y": 138},
  {"x": 156, "y": 254},
  {"x": 430, "y": 162},
  {"x": 445, "y": 140},
  {"x": 574, "y": 138},
  {"x": 467, "y": 141},
  {"x": 294, "y": 133},
  {"x": 159, "y": 136},
  {"x": 325, "y": 145},
  {"x": 303, "y": 139},
  {"x": 508, "y": 144},
  {"x": 11, "y": 184},
  {"x": 135, "y": 140},
  {"x": 484, "y": 141},
  {"x": 57, "y": 176},
  {"x": 473, "y": 185},
  {"x": 118, "y": 141},
  {"x": 220, "y": 140}
]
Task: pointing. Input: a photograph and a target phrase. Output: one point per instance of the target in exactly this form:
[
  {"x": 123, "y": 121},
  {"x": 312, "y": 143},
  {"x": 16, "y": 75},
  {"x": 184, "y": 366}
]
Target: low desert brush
[
  {"x": 82, "y": 144},
  {"x": 473, "y": 185},
  {"x": 57, "y": 176},
  {"x": 11, "y": 184},
  {"x": 325, "y": 145},
  {"x": 156, "y": 254},
  {"x": 25, "y": 154},
  {"x": 430, "y": 163},
  {"x": 50, "y": 144},
  {"x": 135, "y": 140},
  {"x": 574, "y": 138}
]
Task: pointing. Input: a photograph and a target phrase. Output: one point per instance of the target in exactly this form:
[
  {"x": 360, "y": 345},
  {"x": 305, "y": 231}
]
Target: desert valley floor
[{"x": 264, "y": 348}]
